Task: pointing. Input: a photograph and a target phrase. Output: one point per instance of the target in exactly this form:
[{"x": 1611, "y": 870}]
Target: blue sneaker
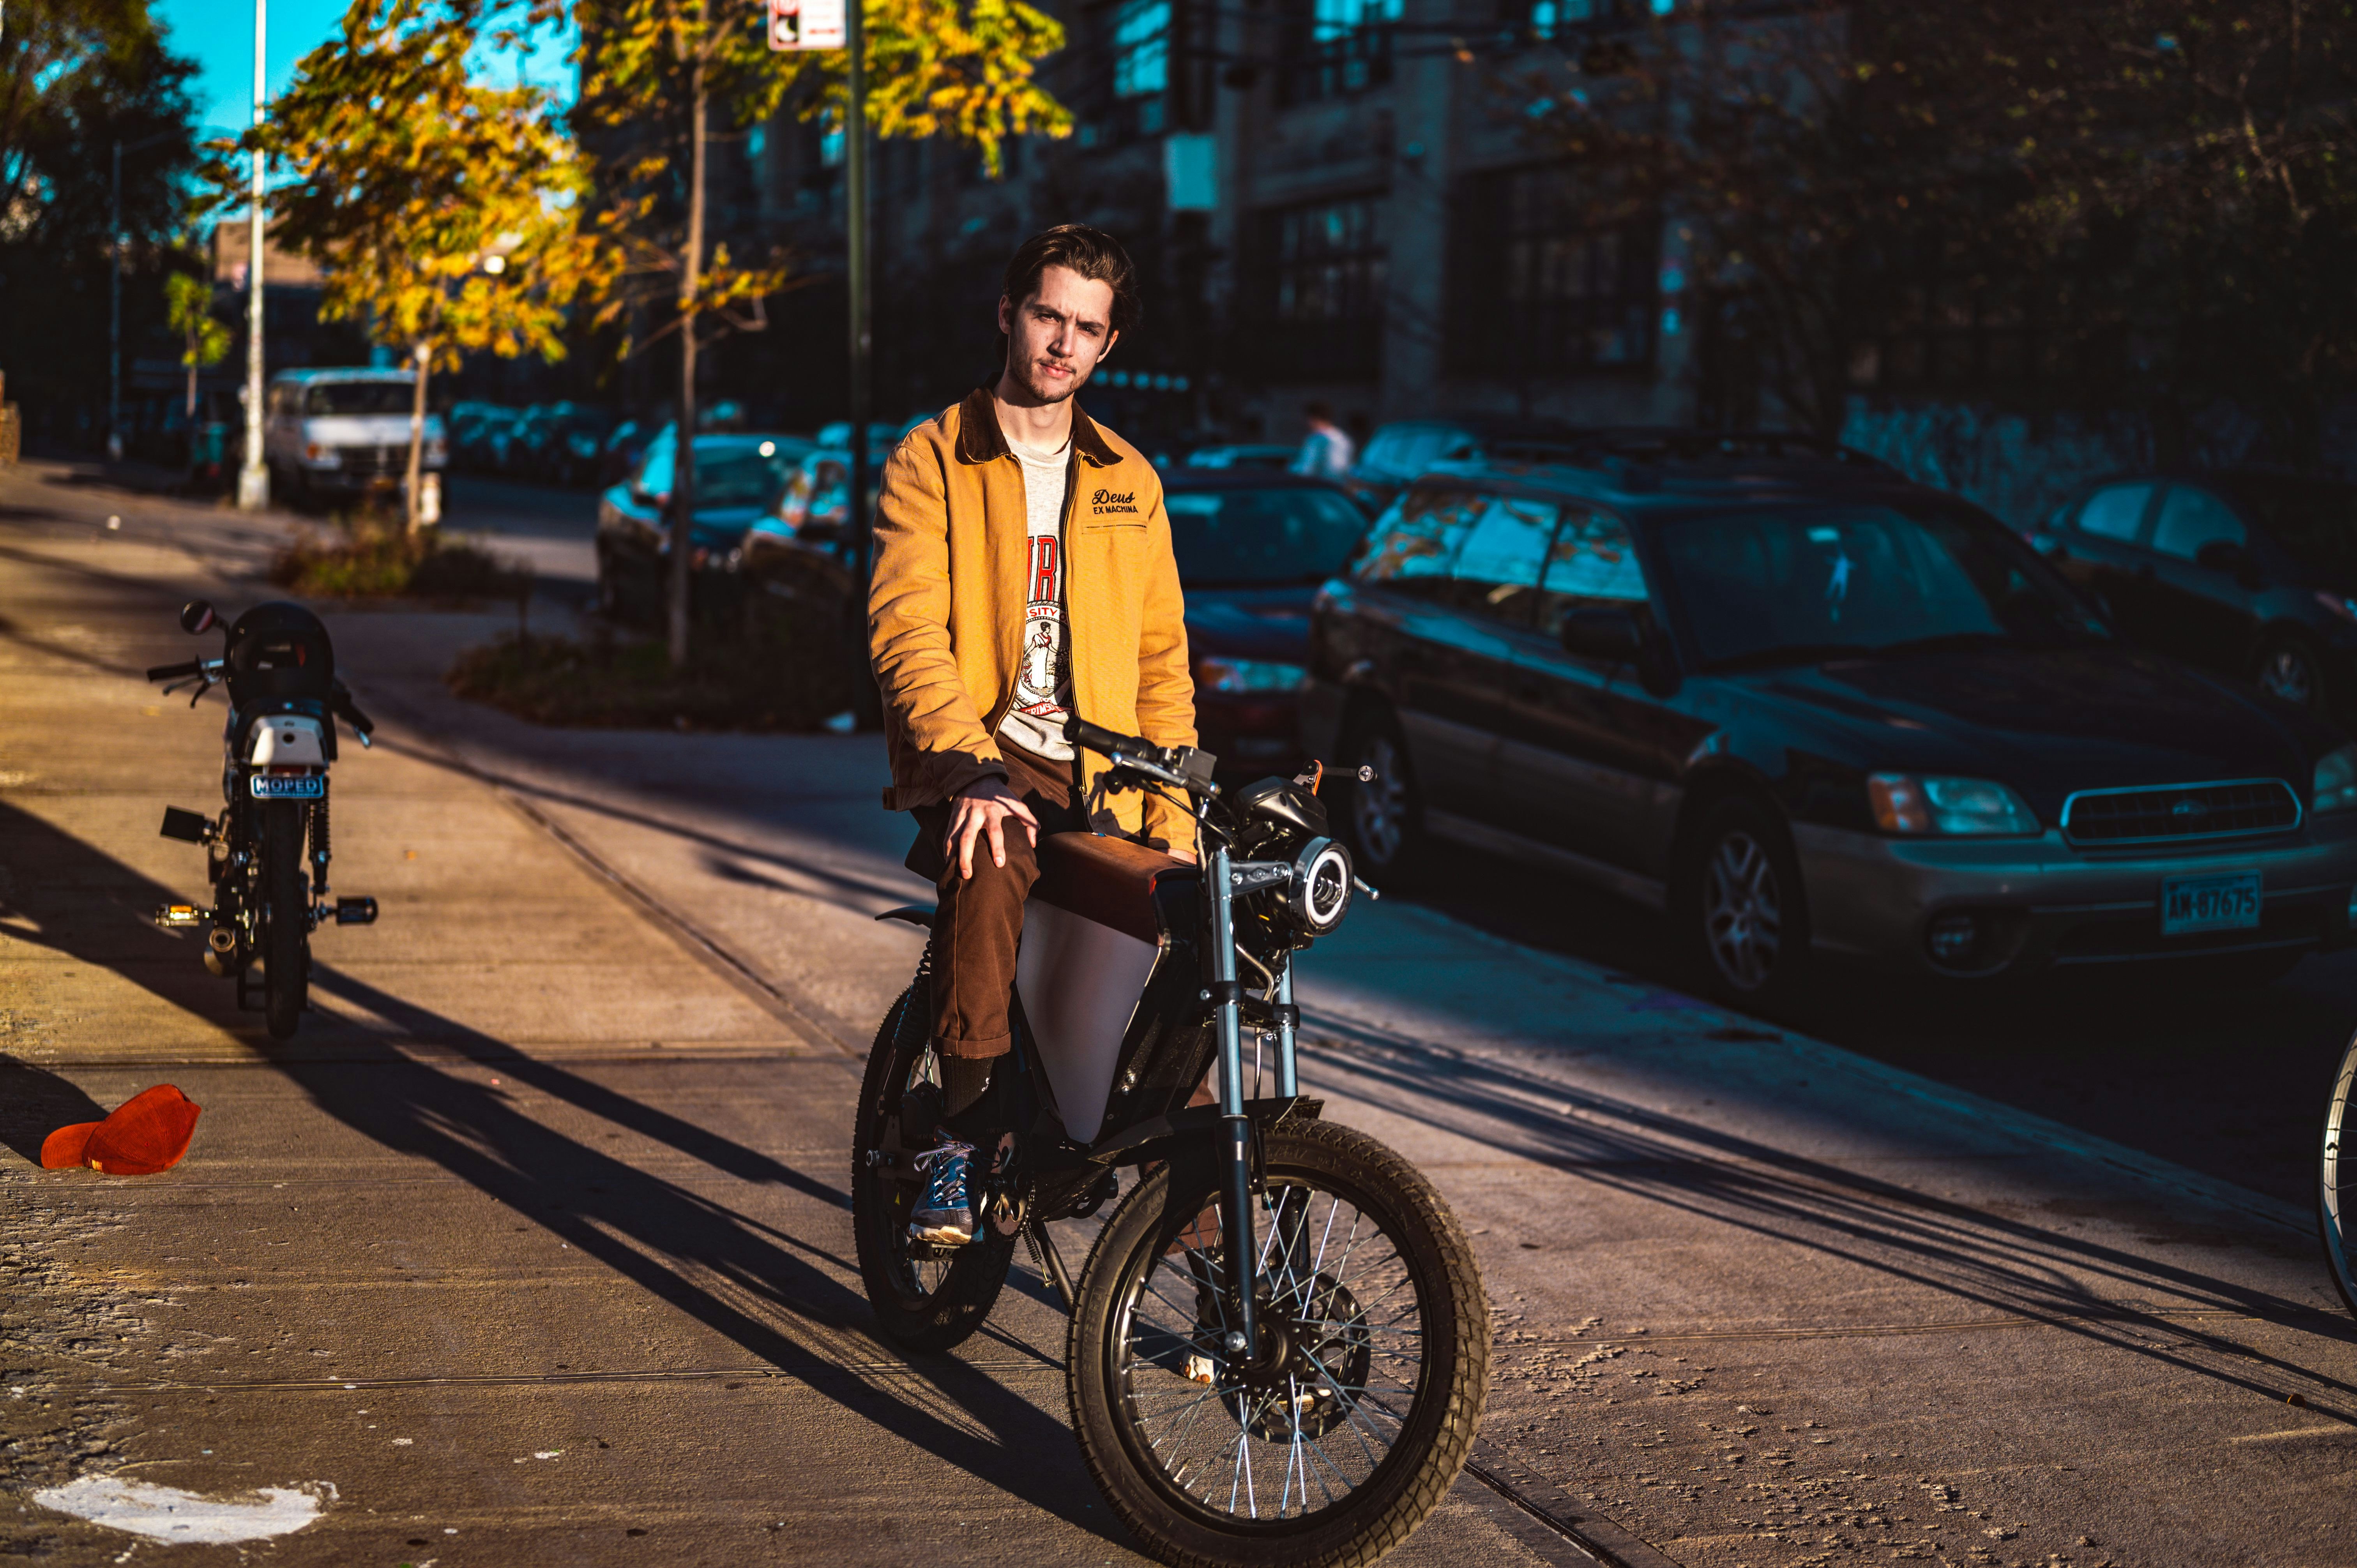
[{"x": 945, "y": 1213}]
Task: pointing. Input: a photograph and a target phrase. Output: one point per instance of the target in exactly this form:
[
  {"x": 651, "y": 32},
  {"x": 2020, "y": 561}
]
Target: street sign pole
[
  {"x": 253, "y": 477},
  {"x": 855, "y": 216}
]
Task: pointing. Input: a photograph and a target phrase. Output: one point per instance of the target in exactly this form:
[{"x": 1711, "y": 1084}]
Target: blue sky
[{"x": 218, "y": 35}]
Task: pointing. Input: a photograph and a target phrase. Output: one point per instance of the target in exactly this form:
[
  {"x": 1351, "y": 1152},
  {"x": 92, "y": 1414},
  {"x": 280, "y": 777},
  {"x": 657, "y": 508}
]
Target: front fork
[{"x": 1235, "y": 1124}]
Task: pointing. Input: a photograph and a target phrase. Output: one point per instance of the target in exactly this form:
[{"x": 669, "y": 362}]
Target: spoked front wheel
[
  {"x": 1334, "y": 1443},
  {"x": 926, "y": 1296},
  {"x": 2336, "y": 1198}
]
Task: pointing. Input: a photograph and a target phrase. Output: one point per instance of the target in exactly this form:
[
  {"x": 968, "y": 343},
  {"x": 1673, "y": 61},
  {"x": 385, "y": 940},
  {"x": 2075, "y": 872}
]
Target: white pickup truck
[{"x": 343, "y": 430}]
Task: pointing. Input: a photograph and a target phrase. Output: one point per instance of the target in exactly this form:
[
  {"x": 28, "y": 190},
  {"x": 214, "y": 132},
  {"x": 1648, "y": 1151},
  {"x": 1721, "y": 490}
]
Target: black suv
[
  {"x": 1806, "y": 706},
  {"x": 2249, "y": 573}
]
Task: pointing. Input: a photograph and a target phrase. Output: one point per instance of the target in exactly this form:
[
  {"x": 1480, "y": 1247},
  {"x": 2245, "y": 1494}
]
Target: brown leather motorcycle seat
[{"x": 1107, "y": 880}]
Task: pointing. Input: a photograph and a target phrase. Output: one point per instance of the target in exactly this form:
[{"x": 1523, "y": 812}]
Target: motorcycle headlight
[
  {"x": 1250, "y": 675},
  {"x": 2334, "y": 788},
  {"x": 1319, "y": 894},
  {"x": 1926, "y": 803}
]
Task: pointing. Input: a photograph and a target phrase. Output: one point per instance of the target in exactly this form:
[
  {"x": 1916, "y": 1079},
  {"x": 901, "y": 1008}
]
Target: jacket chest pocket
[{"x": 1115, "y": 528}]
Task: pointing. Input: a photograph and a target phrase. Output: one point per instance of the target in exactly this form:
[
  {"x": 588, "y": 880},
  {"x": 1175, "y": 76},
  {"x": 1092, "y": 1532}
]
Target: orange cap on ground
[{"x": 146, "y": 1134}]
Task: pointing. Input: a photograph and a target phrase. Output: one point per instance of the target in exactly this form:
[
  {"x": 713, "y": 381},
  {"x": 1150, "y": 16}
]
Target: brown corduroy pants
[{"x": 981, "y": 918}]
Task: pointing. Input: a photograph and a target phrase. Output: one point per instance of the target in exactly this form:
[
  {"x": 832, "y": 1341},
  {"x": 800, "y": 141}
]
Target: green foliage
[
  {"x": 441, "y": 211},
  {"x": 374, "y": 558},
  {"x": 777, "y": 674},
  {"x": 189, "y": 310}
]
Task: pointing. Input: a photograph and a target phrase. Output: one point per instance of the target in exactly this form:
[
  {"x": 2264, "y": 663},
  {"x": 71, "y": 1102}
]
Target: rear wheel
[
  {"x": 2336, "y": 1203},
  {"x": 926, "y": 1297},
  {"x": 285, "y": 918},
  {"x": 1358, "y": 1414},
  {"x": 1384, "y": 815},
  {"x": 1740, "y": 902}
]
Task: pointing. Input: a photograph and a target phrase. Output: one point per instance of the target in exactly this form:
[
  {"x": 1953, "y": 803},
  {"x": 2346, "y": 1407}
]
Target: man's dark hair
[
  {"x": 1319, "y": 408},
  {"x": 1091, "y": 252}
]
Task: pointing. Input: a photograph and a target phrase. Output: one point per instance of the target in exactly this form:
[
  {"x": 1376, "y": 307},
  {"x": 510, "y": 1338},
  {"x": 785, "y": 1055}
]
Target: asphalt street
[{"x": 532, "y": 1247}]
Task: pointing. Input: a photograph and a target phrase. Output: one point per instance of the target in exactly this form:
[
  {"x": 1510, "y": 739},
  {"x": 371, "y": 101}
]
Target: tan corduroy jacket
[{"x": 945, "y": 610}]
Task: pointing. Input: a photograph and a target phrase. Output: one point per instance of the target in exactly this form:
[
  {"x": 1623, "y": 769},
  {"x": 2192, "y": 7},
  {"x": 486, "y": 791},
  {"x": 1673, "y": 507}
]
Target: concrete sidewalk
[{"x": 1764, "y": 1300}]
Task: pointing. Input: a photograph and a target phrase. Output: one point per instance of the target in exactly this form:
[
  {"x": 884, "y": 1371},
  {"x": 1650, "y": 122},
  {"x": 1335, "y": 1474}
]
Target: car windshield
[
  {"x": 2315, "y": 520},
  {"x": 1779, "y": 587},
  {"x": 739, "y": 478},
  {"x": 358, "y": 397},
  {"x": 1255, "y": 538}
]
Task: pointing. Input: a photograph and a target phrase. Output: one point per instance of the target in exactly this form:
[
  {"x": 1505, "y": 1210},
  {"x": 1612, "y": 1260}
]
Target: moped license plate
[
  {"x": 287, "y": 786},
  {"x": 2228, "y": 903}
]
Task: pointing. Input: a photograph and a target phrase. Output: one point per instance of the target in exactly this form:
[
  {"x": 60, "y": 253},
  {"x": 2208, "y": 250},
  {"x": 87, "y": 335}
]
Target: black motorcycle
[
  {"x": 284, "y": 700},
  {"x": 1279, "y": 1344}
]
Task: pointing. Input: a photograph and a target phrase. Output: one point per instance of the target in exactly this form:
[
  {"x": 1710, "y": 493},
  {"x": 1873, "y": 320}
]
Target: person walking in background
[{"x": 1327, "y": 453}]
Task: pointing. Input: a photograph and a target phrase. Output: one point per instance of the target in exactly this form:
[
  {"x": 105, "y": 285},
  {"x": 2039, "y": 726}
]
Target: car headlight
[
  {"x": 1922, "y": 803},
  {"x": 1250, "y": 675},
  {"x": 2334, "y": 788}
]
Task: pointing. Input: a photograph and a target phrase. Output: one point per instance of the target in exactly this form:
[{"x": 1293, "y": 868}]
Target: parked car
[
  {"x": 739, "y": 481},
  {"x": 342, "y": 432},
  {"x": 2251, "y": 575},
  {"x": 1807, "y": 708},
  {"x": 1253, "y": 548},
  {"x": 1267, "y": 458},
  {"x": 1399, "y": 452}
]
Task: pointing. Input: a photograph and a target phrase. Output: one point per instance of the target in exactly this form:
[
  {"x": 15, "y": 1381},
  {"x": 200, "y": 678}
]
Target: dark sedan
[
  {"x": 1252, "y": 547},
  {"x": 740, "y": 481},
  {"x": 2251, "y": 574},
  {"x": 1810, "y": 711}
]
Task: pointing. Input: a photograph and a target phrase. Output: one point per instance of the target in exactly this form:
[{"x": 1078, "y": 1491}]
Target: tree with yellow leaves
[
  {"x": 667, "y": 66},
  {"x": 444, "y": 213}
]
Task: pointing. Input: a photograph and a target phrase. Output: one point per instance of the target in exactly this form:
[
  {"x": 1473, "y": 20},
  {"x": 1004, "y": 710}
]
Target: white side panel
[
  {"x": 1079, "y": 982},
  {"x": 285, "y": 738}
]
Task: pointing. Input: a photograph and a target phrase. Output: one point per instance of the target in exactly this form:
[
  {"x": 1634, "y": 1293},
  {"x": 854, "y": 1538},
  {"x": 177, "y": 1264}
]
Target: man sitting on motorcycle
[{"x": 1023, "y": 573}]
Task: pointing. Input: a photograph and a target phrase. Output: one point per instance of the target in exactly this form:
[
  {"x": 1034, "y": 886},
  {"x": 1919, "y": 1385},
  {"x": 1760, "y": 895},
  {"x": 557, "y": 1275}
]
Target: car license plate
[
  {"x": 287, "y": 786},
  {"x": 2190, "y": 904}
]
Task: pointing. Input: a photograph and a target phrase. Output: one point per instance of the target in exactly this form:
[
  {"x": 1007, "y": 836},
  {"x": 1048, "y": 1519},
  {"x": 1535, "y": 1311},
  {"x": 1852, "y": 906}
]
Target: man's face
[{"x": 1055, "y": 338}]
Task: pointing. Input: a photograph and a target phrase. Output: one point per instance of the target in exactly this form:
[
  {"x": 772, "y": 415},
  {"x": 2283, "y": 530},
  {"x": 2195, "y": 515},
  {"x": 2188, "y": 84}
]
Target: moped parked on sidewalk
[
  {"x": 1280, "y": 1342},
  {"x": 284, "y": 700}
]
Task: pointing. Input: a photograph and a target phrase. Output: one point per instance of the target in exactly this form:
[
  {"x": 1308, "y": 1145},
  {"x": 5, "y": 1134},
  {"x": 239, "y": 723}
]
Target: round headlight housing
[{"x": 1319, "y": 894}]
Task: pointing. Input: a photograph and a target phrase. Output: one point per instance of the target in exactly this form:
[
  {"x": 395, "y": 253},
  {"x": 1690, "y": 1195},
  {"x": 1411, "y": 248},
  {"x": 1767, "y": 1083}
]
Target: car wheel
[
  {"x": 1382, "y": 816},
  {"x": 1741, "y": 904},
  {"x": 2288, "y": 668}
]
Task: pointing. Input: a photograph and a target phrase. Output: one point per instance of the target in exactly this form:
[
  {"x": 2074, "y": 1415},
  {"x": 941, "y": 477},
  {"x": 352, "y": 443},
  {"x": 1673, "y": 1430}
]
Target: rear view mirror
[
  {"x": 196, "y": 615},
  {"x": 1612, "y": 634}
]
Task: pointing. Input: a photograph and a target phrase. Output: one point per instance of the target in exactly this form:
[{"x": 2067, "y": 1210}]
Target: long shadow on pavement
[
  {"x": 758, "y": 1287},
  {"x": 1969, "y": 1252}
]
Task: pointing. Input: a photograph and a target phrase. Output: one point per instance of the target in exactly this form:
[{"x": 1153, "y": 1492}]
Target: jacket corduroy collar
[{"x": 980, "y": 439}]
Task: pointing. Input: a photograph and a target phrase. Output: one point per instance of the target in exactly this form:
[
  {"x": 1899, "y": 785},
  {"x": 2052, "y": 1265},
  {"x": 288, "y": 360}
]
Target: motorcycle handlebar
[
  {"x": 1111, "y": 743},
  {"x": 176, "y": 672}
]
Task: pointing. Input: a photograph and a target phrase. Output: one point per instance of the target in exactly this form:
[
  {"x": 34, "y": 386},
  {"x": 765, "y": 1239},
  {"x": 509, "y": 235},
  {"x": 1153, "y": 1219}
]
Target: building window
[
  {"x": 1320, "y": 288},
  {"x": 1140, "y": 48},
  {"x": 1333, "y": 47},
  {"x": 1541, "y": 288}
]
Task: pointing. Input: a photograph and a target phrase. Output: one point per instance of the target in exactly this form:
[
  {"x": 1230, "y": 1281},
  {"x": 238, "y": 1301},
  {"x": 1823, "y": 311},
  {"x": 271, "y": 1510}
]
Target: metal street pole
[
  {"x": 855, "y": 216},
  {"x": 253, "y": 477},
  {"x": 114, "y": 312}
]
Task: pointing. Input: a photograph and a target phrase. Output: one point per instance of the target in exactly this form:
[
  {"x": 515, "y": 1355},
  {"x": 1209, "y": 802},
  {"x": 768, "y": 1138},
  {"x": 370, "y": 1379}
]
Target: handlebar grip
[
  {"x": 1098, "y": 738},
  {"x": 175, "y": 671}
]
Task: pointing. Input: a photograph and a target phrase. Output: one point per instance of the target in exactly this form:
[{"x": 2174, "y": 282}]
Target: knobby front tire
[{"x": 1335, "y": 1453}]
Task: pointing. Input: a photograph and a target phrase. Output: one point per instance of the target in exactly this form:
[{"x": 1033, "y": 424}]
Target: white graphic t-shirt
[{"x": 1043, "y": 683}]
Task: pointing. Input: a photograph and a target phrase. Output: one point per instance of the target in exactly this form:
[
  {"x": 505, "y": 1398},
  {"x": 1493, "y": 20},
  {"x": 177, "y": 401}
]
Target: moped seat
[{"x": 1108, "y": 881}]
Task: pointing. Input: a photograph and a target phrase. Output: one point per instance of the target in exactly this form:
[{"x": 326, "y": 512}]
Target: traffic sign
[{"x": 806, "y": 24}]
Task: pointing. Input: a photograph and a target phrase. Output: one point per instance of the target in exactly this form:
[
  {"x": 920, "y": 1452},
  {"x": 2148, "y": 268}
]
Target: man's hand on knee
[{"x": 983, "y": 808}]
